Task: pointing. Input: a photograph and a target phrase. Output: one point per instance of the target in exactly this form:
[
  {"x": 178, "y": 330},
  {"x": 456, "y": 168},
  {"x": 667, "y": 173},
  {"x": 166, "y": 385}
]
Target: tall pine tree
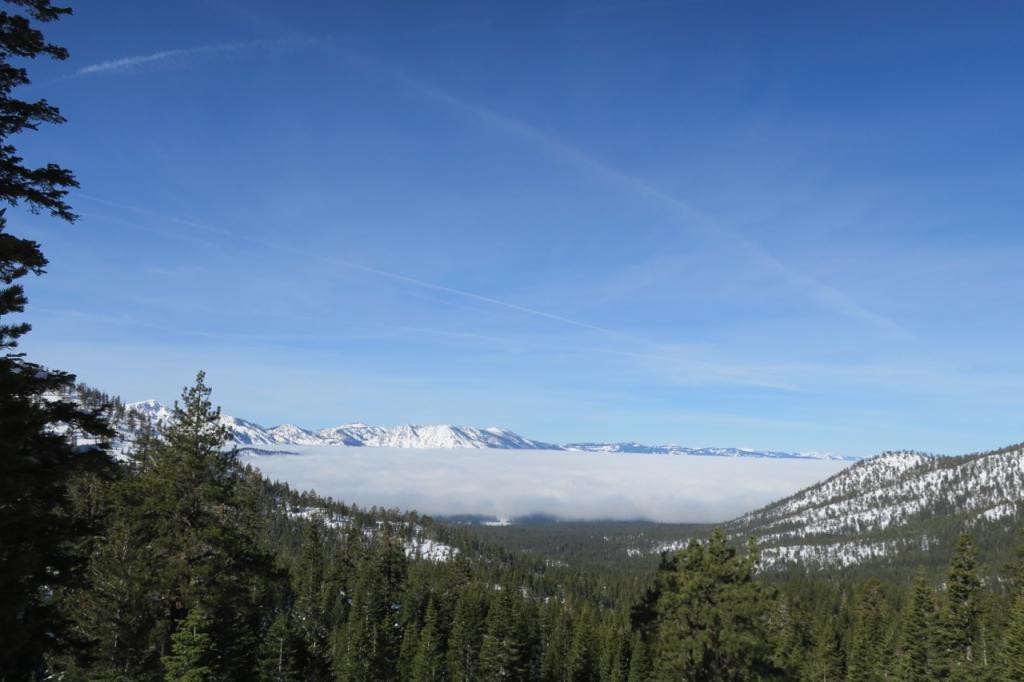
[
  {"x": 918, "y": 637},
  {"x": 38, "y": 425},
  {"x": 192, "y": 653},
  {"x": 960, "y": 618},
  {"x": 712, "y": 619}
]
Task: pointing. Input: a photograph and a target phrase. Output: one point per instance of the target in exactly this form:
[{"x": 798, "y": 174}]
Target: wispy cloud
[
  {"x": 385, "y": 274},
  {"x": 682, "y": 211},
  {"x": 137, "y": 62}
]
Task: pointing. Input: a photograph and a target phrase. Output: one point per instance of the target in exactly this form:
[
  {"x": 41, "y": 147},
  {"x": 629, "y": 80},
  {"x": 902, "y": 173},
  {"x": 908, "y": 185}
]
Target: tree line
[{"x": 177, "y": 562}]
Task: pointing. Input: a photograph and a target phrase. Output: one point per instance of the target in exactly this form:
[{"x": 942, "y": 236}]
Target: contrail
[
  {"x": 396, "y": 276},
  {"x": 128, "y": 64},
  {"x": 680, "y": 210},
  {"x": 137, "y": 62}
]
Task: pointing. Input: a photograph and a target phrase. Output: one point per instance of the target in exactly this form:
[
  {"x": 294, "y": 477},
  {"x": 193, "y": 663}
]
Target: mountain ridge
[
  {"x": 445, "y": 436},
  {"x": 892, "y": 505}
]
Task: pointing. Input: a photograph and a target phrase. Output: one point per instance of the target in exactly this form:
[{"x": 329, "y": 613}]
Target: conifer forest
[{"x": 136, "y": 553}]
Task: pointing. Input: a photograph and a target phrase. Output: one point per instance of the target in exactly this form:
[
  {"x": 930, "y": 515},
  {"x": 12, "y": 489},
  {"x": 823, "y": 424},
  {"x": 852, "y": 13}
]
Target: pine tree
[
  {"x": 116, "y": 612},
  {"x": 410, "y": 644},
  {"x": 39, "y": 537},
  {"x": 280, "y": 653},
  {"x": 467, "y": 635},
  {"x": 641, "y": 667},
  {"x": 1013, "y": 643},
  {"x": 582, "y": 663},
  {"x": 918, "y": 640},
  {"x": 714, "y": 620},
  {"x": 867, "y": 659},
  {"x": 192, "y": 653},
  {"x": 428, "y": 664},
  {"x": 180, "y": 538},
  {"x": 373, "y": 635},
  {"x": 615, "y": 654},
  {"x": 826, "y": 659},
  {"x": 960, "y": 618},
  {"x": 209, "y": 553},
  {"x": 314, "y": 602},
  {"x": 556, "y": 647},
  {"x": 499, "y": 653}
]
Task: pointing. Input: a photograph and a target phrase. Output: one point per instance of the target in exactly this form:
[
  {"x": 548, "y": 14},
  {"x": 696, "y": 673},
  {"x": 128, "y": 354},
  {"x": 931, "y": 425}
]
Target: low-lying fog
[{"x": 569, "y": 485}]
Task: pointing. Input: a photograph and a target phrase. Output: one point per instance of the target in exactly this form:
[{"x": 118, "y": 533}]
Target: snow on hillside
[
  {"x": 883, "y": 505},
  {"x": 442, "y": 436},
  {"x": 417, "y": 546}
]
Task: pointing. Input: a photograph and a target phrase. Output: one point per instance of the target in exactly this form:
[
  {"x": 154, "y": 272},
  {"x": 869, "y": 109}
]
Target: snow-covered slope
[
  {"x": 888, "y": 505},
  {"x": 439, "y": 436}
]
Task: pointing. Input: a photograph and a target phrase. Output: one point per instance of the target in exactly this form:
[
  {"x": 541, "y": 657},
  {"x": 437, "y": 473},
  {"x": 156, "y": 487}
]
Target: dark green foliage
[
  {"x": 281, "y": 653},
  {"x": 709, "y": 619},
  {"x": 373, "y": 636},
  {"x": 428, "y": 664},
  {"x": 192, "y": 655},
  {"x": 499, "y": 653},
  {"x": 1012, "y": 662},
  {"x": 826, "y": 659},
  {"x": 918, "y": 641},
  {"x": 959, "y": 632},
  {"x": 467, "y": 634},
  {"x": 206, "y": 571},
  {"x": 42, "y": 539},
  {"x": 868, "y": 658}
]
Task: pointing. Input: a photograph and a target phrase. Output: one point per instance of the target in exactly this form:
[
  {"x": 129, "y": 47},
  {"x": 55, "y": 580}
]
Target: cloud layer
[{"x": 509, "y": 483}]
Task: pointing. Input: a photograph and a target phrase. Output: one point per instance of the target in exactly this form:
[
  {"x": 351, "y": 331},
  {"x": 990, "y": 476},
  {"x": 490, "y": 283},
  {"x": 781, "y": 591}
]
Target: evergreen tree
[
  {"x": 867, "y": 660},
  {"x": 714, "y": 621},
  {"x": 192, "y": 651},
  {"x": 499, "y": 653},
  {"x": 615, "y": 654},
  {"x": 468, "y": 623},
  {"x": 280, "y": 653},
  {"x": 960, "y": 618},
  {"x": 918, "y": 638},
  {"x": 641, "y": 667},
  {"x": 314, "y": 602},
  {"x": 582, "y": 663},
  {"x": 826, "y": 662},
  {"x": 558, "y": 639},
  {"x": 1013, "y": 643},
  {"x": 373, "y": 635},
  {"x": 209, "y": 555},
  {"x": 39, "y": 537},
  {"x": 410, "y": 644},
  {"x": 428, "y": 664}
]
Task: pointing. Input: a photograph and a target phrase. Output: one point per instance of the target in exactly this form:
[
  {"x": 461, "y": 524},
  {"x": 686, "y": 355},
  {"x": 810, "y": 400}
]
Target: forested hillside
[
  {"x": 197, "y": 568},
  {"x": 136, "y": 554}
]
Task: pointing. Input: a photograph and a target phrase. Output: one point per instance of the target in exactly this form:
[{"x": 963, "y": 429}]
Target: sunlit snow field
[{"x": 570, "y": 485}]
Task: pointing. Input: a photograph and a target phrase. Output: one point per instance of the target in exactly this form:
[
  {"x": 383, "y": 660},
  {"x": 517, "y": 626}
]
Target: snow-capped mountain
[
  {"x": 359, "y": 435},
  {"x": 440, "y": 436},
  {"x": 640, "y": 448},
  {"x": 897, "y": 503}
]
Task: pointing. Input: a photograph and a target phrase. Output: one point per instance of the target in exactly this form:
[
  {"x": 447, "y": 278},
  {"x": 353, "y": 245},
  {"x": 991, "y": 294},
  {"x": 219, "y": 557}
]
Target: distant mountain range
[{"x": 442, "y": 436}]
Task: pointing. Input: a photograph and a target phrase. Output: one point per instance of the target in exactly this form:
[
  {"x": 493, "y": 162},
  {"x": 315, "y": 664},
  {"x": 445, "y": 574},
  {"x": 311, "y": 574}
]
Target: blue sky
[{"x": 786, "y": 225}]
